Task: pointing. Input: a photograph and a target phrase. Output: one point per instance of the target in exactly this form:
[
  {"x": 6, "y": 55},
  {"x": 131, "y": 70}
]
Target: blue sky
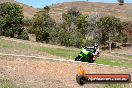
[{"x": 42, "y": 3}]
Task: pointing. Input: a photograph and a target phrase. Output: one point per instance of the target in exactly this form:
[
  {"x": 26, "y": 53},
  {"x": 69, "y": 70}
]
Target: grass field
[
  {"x": 6, "y": 84},
  {"x": 130, "y": 57},
  {"x": 64, "y": 53},
  {"x": 69, "y": 54}
]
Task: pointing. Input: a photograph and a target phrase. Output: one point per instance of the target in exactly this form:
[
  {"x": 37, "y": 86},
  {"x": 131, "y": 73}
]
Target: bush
[
  {"x": 42, "y": 37},
  {"x": 24, "y": 36},
  {"x": 8, "y": 33},
  {"x": 11, "y": 16}
]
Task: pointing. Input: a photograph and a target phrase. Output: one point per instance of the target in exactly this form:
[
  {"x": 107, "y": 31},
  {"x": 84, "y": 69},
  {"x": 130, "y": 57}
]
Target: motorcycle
[{"x": 86, "y": 55}]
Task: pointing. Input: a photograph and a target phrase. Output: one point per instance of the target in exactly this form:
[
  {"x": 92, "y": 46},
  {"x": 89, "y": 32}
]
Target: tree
[
  {"x": 127, "y": 26},
  {"x": 92, "y": 28},
  {"x": 73, "y": 28},
  {"x": 111, "y": 26},
  {"x": 42, "y": 25},
  {"x": 82, "y": 24},
  {"x": 121, "y": 2},
  {"x": 2, "y": 23},
  {"x": 11, "y": 16},
  {"x": 47, "y": 8},
  {"x": 27, "y": 23},
  {"x": 74, "y": 14}
]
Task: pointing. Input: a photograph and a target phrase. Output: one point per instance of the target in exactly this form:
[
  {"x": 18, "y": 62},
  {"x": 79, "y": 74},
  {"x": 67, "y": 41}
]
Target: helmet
[{"x": 95, "y": 45}]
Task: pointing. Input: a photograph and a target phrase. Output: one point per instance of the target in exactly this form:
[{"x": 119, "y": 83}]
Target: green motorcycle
[{"x": 86, "y": 55}]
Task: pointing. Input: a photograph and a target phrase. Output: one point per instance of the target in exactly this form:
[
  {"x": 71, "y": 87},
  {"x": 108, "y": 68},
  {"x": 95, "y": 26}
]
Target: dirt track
[{"x": 32, "y": 73}]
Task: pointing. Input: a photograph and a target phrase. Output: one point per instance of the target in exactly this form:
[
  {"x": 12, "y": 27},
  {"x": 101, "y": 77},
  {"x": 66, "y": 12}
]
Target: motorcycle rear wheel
[{"x": 91, "y": 60}]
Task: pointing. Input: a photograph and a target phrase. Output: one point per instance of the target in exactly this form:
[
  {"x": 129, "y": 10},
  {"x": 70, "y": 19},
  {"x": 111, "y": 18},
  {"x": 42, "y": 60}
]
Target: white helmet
[{"x": 95, "y": 45}]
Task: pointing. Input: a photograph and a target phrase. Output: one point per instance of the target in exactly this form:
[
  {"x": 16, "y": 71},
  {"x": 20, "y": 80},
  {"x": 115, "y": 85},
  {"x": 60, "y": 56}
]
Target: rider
[
  {"x": 95, "y": 52},
  {"x": 97, "y": 49}
]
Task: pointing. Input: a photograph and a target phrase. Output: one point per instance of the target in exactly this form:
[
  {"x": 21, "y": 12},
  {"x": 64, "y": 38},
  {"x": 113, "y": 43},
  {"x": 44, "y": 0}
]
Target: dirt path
[{"x": 30, "y": 73}]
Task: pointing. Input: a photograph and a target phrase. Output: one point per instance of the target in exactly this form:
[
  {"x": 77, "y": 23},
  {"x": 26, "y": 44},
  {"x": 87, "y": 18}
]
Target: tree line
[{"x": 75, "y": 29}]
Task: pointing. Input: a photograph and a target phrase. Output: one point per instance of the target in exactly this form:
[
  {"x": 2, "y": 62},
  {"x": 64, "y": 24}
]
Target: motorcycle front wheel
[{"x": 78, "y": 58}]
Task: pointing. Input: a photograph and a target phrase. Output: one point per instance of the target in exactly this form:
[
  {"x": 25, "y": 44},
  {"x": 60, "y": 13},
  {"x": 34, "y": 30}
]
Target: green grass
[
  {"x": 112, "y": 62},
  {"x": 11, "y": 44},
  {"x": 23, "y": 46},
  {"x": 113, "y": 86},
  {"x": 130, "y": 57},
  {"x": 5, "y": 44},
  {"x": 70, "y": 54},
  {"x": 6, "y": 84}
]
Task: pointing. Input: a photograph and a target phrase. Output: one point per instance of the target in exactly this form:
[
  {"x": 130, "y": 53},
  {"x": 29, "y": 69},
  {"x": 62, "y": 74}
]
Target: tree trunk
[{"x": 109, "y": 43}]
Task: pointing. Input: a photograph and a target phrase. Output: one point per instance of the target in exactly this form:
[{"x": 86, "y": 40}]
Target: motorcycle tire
[
  {"x": 91, "y": 60},
  {"x": 77, "y": 58}
]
